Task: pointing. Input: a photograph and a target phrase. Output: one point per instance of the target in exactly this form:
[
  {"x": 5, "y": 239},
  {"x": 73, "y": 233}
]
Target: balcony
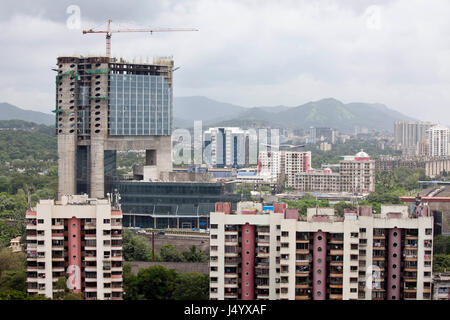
[
  {"x": 302, "y": 297},
  {"x": 337, "y": 263},
  {"x": 378, "y": 258},
  {"x": 230, "y": 295},
  {"x": 57, "y": 258},
  {"x": 261, "y": 254},
  {"x": 336, "y": 252},
  {"x": 234, "y": 275},
  {"x": 302, "y": 262},
  {"x": 411, "y": 237},
  {"x": 58, "y": 269},
  {"x": 302, "y": 251},
  {"x": 58, "y": 226},
  {"x": 334, "y": 274},
  {"x": 233, "y": 285},
  {"x": 90, "y": 257},
  {"x": 304, "y": 285},
  {"x": 90, "y": 268},
  {"x": 410, "y": 258},
  {"x": 90, "y": 279},
  {"x": 334, "y": 296}
]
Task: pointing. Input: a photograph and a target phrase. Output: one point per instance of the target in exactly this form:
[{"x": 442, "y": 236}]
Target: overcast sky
[{"x": 250, "y": 53}]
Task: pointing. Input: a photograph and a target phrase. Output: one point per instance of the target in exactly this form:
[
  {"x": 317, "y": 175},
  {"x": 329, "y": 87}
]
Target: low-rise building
[{"x": 441, "y": 286}]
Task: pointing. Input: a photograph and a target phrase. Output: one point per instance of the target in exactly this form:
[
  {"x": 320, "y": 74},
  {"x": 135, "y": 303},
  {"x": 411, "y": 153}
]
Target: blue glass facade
[{"x": 139, "y": 105}]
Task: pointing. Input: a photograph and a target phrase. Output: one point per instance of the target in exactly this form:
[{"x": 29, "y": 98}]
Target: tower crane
[{"x": 110, "y": 31}]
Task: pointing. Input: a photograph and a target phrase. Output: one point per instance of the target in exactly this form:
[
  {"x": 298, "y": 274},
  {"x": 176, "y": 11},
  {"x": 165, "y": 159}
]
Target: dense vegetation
[{"x": 159, "y": 283}]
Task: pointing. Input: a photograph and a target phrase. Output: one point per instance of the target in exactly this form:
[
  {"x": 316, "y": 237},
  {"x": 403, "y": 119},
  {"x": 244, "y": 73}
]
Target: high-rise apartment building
[
  {"x": 79, "y": 238},
  {"x": 411, "y": 136},
  {"x": 357, "y": 173},
  {"x": 270, "y": 252},
  {"x": 321, "y": 134},
  {"x": 438, "y": 141},
  {"x": 104, "y": 105},
  {"x": 284, "y": 165},
  {"x": 226, "y": 147}
]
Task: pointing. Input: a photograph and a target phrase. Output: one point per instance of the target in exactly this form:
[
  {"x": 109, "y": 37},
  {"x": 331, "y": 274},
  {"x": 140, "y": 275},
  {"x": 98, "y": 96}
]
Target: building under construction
[{"x": 103, "y": 105}]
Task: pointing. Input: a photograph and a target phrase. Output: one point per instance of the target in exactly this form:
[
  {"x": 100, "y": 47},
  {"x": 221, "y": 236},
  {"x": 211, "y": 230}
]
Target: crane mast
[{"x": 109, "y": 33}]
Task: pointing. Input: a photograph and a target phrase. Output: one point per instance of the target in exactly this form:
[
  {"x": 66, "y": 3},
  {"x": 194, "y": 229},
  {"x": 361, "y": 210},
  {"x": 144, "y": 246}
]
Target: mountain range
[
  {"x": 10, "y": 112},
  {"x": 328, "y": 112},
  {"x": 323, "y": 113}
]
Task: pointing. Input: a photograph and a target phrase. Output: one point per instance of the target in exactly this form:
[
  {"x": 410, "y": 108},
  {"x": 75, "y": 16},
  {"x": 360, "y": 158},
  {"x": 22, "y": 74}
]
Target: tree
[
  {"x": 341, "y": 206},
  {"x": 441, "y": 263},
  {"x": 192, "y": 286},
  {"x": 135, "y": 248},
  {"x": 194, "y": 255},
  {"x": 14, "y": 280},
  {"x": 156, "y": 283},
  {"x": 170, "y": 254},
  {"x": 64, "y": 293},
  {"x": 130, "y": 287},
  {"x": 441, "y": 244},
  {"x": 11, "y": 261}
]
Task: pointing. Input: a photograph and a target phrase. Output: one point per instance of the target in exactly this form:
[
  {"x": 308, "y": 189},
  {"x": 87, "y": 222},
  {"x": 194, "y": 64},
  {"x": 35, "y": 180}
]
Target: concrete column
[
  {"x": 319, "y": 266},
  {"x": 97, "y": 168},
  {"x": 74, "y": 254},
  {"x": 248, "y": 262},
  {"x": 394, "y": 261},
  {"x": 67, "y": 146}
]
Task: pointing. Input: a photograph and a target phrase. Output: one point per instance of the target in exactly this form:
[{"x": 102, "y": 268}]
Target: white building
[
  {"x": 225, "y": 146},
  {"x": 438, "y": 141},
  {"x": 78, "y": 238},
  {"x": 284, "y": 165}
]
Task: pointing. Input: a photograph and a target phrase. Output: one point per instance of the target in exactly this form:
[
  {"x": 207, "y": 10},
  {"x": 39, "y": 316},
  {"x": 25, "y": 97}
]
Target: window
[
  {"x": 354, "y": 246},
  {"x": 214, "y": 226},
  {"x": 214, "y": 236},
  {"x": 213, "y": 268},
  {"x": 428, "y": 231},
  {"x": 284, "y": 234},
  {"x": 40, "y": 221},
  {"x": 362, "y": 230},
  {"x": 278, "y": 227},
  {"x": 214, "y": 248},
  {"x": 354, "y": 234},
  {"x": 106, "y": 221}
]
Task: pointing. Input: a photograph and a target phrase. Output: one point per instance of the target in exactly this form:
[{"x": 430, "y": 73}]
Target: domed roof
[{"x": 362, "y": 154}]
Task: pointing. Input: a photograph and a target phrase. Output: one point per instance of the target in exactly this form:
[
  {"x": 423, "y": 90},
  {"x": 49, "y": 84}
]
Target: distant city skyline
[{"x": 272, "y": 53}]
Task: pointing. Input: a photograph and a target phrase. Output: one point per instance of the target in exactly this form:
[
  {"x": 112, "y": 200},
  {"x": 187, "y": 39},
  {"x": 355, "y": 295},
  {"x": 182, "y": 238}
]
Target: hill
[
  {"x": 10, "y": 112},
  {"x": 326, "y": 112}
]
